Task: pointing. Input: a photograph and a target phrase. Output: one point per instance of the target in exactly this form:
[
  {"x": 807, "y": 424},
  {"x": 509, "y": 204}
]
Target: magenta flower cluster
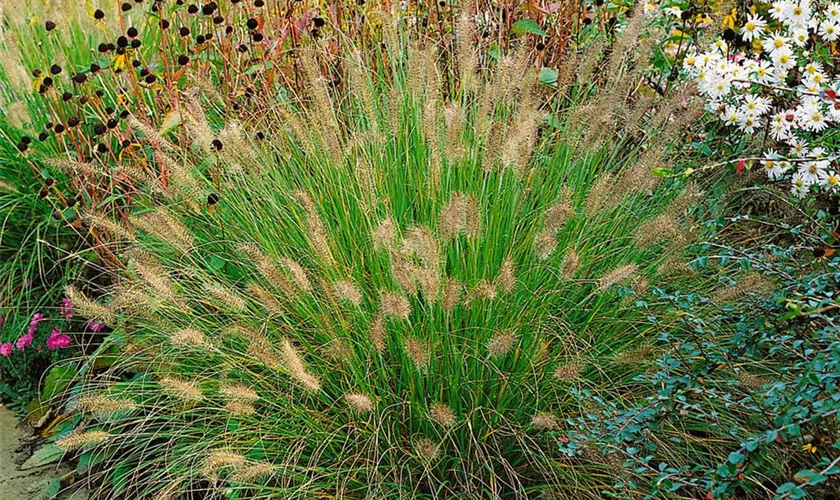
[{"x": 56, "y": 340}]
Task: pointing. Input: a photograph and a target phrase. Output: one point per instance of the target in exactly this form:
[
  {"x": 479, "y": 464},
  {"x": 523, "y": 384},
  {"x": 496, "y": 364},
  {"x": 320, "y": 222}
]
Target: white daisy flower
[
  {"x": 832, "y": 12},
  {"x": 779, "y": 10},
  {"x": 811, "y": 172},
  {"x": 775, "y": 42},
  {"x": 772, "y": 165},
  {"x": 831, "y": 181},
  {"x": 732, "y": 116},
  {"x": 800, "y": 37},
  {"x": 798, "y": 186},
  {"x": 756, "y": 105},
  {"x": 798, "y": 13},
  {"x": 783, "y": 58},
  {"x": 829, "y": 31},
  {"x": 753, "y": 28},
  {"x": 748, "y": 124}
]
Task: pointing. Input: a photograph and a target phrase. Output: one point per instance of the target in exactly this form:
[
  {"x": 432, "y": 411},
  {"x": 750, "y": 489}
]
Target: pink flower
[
  {"x": 30, "y": 330},
  {"x": 66, "y": 308},
  {"x": 57, "y": 340},
  {"x": 1, "y": 320},
  {"x": 23, "y": 341},
  {"x": 95, "y": 326},
  {"x": 6, "y": 350},
  {"x": 36, "y": 318}
]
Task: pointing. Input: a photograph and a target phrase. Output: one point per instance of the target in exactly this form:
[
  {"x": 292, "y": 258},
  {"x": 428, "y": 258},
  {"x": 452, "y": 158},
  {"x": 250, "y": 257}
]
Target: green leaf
[
  {"x": 548, "y": 76},
  {"x": 57, "y": 380},
  {"x": 47, "y": 454},
  {"x": 528, "y": 26}
]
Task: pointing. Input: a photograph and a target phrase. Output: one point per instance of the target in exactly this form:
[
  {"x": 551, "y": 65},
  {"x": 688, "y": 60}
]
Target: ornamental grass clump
[{"x": 353, "y": 312}]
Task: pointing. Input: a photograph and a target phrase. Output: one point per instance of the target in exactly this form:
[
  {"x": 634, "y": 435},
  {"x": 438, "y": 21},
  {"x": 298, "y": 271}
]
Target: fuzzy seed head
[
  {"x": 616, "y": 276},
  {"x": 426, "y": 449},
  {"x": 545, "y": 421},
  {"x": 347, "y": 291},
  {"x": 451, "y": 294},
  {"x": 506, "y": 279},
  {"x": 442, "y": 414},
  {"x": 294, "y": 364},
  {"x": 394, "y": 305},
  {"x": 569, "y": 371},
  {"x": 359, "y": 403},
  {"x": 80, "y": 439},
  {"x": 234, "y": 392},
  {"x": 501, "y": 344},
  {"x": 181, "y": 389}
]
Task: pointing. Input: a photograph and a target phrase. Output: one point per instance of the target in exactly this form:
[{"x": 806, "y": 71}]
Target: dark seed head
[
  {"x": 36, "y": 72},
  {"x": 216, "y": 145},
  {"x": 183, "y": 60},
  {"x": 43, "y": 136},
  {"x": 125, "y": 143},
  {"x": 99, "y": 128},
  {"x": 242, "y": 48},
  {"x": 199, "y": 39},
  {"x": 100, "y": 93},
  {"x": 102, "y": 148},
  {"x": 66, "y": 96},
  {"x": 26, "y": 140},
  {"x": 319, "y": 22},
  {"x": 99, "y": 15},
  {"x": 208, "y": 9},
  {"x": 57, "y": 215},
  {"x": 184, "y": 31},
  {"x": 72, "y": 121},
  {"x": 540, "y": 46},
  {"x": 212, "y": 199},
  {"x": 252, "y": 24},
  {"x": 55, "y": 69},
  {"x": 819, "y": 252},
  {"x": 260, "y": 135},
  {"x": 80, "y": 78},
  {"x": 84, "y": 99},
  {"x": 259, "y": 3},
  {"x": 103, "y": 47},
  {"x": 151, "y": 79},
  {"x": 126, "y": 7},
  {"x": 132, "y": 32},
  {"x": 22, "y": 147},
  {"x": 218, "y": 20},
  {"x": 49, "y": 181},
  {"x": 112, "y": 123},
  {"x": 49, "y": 25},
  {"x": 192, "y": 9},
  {"x": 59, "y": 128},
  {"x": 164, "y": 24},
  {"x": 122, "y": 41},
  {"x": 124, "y": 114},
  {"x": 257, "y": 37},
  {"x": 44, "y": 193},
  {"x": 135, "y": 44}
]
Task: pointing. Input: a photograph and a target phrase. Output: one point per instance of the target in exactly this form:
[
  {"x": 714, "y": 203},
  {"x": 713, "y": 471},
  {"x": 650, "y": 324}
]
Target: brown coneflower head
[
  {"x": 294, "y": 364},
  {"x": 442, "y": 414},
  {"x": 568, "y": 371},
  {"x": 426, "y": 449},
  {"x": 359, "y": 403},
  {"x": 545, "y": 421},
  {"x": 347, "y": 291},
  {"x": 181, "y": 389},
  {"x": 501, "y": 343},
  {"x": 100, "y": 404},
  {"x": 80, "y": 439},
  {"x": 616, "y": 275},
  {"x": 394, "y": 305}
]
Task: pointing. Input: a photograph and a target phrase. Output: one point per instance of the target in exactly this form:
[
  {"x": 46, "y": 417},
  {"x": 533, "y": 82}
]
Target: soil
[{"x": 16, "y": 484}]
